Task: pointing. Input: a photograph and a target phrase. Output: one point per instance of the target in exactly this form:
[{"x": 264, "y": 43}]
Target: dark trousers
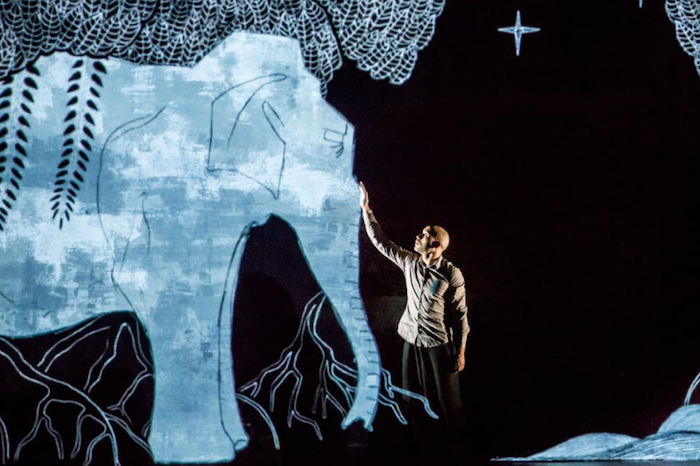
[{"x": 431, "y": 372}]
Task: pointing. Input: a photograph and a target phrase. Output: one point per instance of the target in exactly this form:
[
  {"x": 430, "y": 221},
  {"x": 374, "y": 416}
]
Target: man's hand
[
  {"x": 364, "y": 197},
  {"x": 461, "y": 360}
]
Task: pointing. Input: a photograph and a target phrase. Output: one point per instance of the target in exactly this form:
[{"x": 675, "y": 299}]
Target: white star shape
[{"x": 518, "y": 30}]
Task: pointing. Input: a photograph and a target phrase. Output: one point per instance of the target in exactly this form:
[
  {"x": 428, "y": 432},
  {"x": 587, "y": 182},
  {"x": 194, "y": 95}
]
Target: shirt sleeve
[
  {"x": 458, "y": 308},
  {"x": 391, "y": 251}
]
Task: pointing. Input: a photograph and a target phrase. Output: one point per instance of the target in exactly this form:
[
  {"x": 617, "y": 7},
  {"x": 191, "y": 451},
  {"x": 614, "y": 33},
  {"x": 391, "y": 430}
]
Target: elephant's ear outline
[
  {"x": 218, "y": 158},
  {"x": 221, "y": 155},
  {"x": 273, "y": 119}
]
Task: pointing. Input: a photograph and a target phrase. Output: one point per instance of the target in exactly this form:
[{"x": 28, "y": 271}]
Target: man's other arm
[{"x": 458, "y": 307}]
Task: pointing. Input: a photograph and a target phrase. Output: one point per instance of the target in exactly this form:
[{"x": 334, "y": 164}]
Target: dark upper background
[{"x": 567, "y": 179}]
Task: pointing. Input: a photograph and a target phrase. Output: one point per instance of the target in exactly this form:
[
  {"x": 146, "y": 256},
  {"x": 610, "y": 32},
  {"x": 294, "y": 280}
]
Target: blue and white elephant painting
[{"x": 138, "y": 187}]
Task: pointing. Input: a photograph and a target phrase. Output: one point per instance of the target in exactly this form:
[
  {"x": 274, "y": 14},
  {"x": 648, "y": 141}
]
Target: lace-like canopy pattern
[
  {"x": 686, "y": 16},
  {"x": 382, "y": 36}
]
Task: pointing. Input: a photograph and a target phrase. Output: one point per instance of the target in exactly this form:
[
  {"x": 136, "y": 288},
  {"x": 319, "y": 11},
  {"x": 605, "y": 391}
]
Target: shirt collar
[{"x": 436, "y": 265}]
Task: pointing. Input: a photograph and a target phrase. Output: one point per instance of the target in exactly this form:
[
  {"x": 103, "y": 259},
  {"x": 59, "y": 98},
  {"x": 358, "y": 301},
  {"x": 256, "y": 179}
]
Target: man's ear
[{"x": 435, "y": 244}]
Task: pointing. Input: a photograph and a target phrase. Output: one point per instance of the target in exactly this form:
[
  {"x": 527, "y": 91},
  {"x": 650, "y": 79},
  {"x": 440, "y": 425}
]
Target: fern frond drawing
[
  {"x": 83, "y": 92},
  {"x": 16, "y": 99}
]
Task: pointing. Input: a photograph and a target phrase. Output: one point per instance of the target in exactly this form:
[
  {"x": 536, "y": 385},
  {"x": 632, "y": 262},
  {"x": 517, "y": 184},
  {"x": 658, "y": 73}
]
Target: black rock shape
[{"x": 82, "y": 395}]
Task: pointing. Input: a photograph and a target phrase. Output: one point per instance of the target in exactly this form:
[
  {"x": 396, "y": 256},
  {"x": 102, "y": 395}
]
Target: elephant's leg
[
  {"x": 187, "y": 304},
  {"x": 230, "y": 416},
  {"x": 330, "y": 244}
]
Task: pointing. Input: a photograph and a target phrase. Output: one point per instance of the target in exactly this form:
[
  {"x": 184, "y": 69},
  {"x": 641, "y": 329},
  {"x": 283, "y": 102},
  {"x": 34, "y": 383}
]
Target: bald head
[
  {"x": 437, "y": 233},
  {"x": 432, "y": 241}
]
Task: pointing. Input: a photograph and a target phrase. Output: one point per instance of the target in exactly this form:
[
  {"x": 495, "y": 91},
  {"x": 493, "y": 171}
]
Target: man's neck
[{"x": 429, "y": 260}]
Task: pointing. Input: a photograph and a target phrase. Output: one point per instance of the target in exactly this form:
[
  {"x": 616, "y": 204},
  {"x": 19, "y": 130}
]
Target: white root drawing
[{"x": 335, "y": 384}]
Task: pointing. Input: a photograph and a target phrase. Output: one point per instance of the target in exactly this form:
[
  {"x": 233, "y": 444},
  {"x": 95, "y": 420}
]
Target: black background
[{"x": 567, "y": 178}]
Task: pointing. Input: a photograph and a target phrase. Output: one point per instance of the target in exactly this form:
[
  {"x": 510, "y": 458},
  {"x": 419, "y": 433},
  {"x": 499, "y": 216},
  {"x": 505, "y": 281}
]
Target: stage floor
[{"x": 405, "y": 459}]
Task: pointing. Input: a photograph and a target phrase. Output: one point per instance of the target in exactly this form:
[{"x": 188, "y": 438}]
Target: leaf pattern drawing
[
  {"x": 685, "y": 14},
  {"x": 382, "y": 36}
]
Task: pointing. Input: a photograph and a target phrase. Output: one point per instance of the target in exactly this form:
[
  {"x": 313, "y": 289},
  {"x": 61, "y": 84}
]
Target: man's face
[{"x": 424, "y": 241}]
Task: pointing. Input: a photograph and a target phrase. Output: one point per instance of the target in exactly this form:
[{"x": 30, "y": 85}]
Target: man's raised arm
[{"x": 391, "y": 251}]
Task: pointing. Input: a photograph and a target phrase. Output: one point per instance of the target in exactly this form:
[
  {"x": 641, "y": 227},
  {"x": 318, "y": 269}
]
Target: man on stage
[{"x": 434, "y": 324}]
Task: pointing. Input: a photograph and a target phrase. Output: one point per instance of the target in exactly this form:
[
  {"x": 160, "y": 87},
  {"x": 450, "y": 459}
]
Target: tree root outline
[{"x": 335, "y": 384}]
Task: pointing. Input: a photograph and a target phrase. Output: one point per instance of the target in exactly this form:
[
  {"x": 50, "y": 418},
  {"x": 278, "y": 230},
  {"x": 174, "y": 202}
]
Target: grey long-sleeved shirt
[{"x": 436, "y": 308}]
